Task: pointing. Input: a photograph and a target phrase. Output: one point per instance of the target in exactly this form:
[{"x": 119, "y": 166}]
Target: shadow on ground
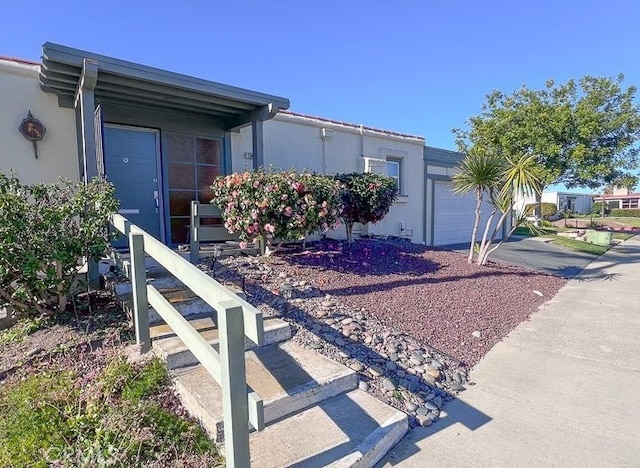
[
  {"x": 357, "y": 350},
  {"x": 536, "y": 254}
]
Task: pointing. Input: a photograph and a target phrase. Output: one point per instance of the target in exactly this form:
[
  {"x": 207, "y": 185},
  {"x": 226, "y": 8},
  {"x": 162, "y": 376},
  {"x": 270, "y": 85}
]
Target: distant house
[
  {"x": 578, "y": 203},
  {"x": 620, "y": 199}
]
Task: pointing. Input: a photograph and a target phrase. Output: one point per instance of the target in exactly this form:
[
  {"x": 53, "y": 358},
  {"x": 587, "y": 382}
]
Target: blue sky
[{"x": 419, "y": 67}]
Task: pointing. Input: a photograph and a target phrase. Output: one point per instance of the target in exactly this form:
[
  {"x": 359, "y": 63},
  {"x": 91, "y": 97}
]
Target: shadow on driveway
[{"x": 535, "y": 253}]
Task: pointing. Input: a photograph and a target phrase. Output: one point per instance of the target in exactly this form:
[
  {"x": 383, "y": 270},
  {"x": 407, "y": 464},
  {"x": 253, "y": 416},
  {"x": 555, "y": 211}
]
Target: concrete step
[
  {"x": 350, "y": 430},
  {"x": 176, "y": 354},
  {"x": 287, "y": 377},
  {"x": 182, "y": 298}
]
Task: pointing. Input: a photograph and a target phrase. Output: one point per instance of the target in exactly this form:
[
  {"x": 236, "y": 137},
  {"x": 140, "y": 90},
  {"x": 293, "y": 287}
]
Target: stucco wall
[
  {"x": 58, "y": 152},
  {"x": 293, "y": 141}
]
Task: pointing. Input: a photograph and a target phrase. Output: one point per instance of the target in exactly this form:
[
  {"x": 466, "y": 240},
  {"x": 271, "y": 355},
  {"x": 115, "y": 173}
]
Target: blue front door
[{"x": 131, "y": 165}]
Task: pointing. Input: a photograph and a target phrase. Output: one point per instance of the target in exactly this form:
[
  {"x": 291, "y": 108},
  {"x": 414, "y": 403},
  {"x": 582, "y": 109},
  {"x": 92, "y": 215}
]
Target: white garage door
[{"x": 454, "y": 215}]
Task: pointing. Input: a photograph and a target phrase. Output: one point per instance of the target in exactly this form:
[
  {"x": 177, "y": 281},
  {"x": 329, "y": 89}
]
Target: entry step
[
  {"x": 353, "y": 429},
  {"x": 176, "y": 354},
  {"x": 287, "y": 377}
]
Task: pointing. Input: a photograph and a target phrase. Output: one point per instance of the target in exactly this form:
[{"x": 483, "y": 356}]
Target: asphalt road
[{"x": 537, "y": 254}]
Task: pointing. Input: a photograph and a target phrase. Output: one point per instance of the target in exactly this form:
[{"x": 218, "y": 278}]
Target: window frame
[
  {"x": 195, "y": 165},
  {"x": 399, "y": 179}
]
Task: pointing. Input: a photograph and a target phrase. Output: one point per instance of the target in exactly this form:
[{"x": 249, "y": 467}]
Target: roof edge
[
  {"x": 22, "y": 61},
  {"x": 14, "y": 66},
  {"x": 440, "y": 155},
  {"x": 74, "y": 57},
  {"x": 351, "y": 125}
]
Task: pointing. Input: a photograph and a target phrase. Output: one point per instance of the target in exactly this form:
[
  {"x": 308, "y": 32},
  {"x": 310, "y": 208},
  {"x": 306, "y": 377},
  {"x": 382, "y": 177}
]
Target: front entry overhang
[
  {"x": 81, "y": 79},
  {"x": 122, "y": 82}
]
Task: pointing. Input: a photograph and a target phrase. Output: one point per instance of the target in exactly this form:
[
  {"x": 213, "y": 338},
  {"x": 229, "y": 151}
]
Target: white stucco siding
[
  {"x": 240, "y": 145},
  {"x": 322, "y": 146},
  {"x": 549, "y": 197},
  {"x": 58, "y": 153}
]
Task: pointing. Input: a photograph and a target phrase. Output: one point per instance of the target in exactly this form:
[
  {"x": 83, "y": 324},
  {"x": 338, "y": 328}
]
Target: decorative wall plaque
[{"x": 33, "y": 130}]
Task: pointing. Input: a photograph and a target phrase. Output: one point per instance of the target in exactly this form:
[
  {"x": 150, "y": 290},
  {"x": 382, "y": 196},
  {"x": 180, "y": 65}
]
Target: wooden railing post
[
  {"x": 234, "y": 385},
  {"x": 139, "y": 287}
]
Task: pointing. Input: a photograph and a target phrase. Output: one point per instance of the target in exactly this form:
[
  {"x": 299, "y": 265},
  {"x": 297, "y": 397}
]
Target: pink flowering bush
[
  {"x": 277, "y": 205},
  {"x": 366, "y": 198}
]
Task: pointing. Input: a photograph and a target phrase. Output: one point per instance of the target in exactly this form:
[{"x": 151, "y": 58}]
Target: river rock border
[{"x": 398, "y": 369}]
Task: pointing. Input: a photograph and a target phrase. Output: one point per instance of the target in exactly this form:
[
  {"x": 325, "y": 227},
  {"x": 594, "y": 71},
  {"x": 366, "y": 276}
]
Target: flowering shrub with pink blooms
[
  {"x": 277, "y": 205},
  {"x": 366, "y": 198}
]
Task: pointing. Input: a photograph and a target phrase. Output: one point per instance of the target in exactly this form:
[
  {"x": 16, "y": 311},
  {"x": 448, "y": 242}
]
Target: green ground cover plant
[
  {"x": 579, "y": 246},
  {"x": 92, "y": 405}
]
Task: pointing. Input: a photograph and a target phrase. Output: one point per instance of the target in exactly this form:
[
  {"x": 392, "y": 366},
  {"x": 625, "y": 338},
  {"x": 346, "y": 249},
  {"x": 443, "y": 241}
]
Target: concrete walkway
[{"x": 562, "y": 390}]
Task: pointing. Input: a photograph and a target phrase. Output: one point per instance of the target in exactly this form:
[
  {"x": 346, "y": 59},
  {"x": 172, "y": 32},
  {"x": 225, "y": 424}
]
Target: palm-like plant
[
  {"x": 481, "y": 174},
  {"x": 502, "y": 180}
]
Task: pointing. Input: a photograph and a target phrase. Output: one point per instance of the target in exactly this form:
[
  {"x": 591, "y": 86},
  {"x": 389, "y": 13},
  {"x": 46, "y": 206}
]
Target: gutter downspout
[
  {"x": 324, "y": 135},
  {"x": 424, "y": 199},
  {"x": 84, "y": 103}
]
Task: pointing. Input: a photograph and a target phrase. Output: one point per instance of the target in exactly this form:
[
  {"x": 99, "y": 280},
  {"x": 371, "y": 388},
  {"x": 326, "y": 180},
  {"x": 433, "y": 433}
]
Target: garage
[
  {"x": 454, "y": 215},
  {"x": 448, "y": 216}
]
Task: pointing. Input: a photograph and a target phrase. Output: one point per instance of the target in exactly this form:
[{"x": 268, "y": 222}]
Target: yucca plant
[
  {"x": 481, "y": 174},
  {"x": 502, "y": 180}
]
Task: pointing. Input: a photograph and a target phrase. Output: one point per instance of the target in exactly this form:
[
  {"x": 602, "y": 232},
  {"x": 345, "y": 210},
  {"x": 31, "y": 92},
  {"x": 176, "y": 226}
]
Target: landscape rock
[{"x": 388, "y": 385}]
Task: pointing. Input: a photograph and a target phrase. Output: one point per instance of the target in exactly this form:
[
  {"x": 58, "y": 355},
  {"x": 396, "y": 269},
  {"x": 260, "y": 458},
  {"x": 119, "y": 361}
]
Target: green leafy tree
[
  {"x": 582, "y": 133},
  {"x": 366, "y": 198},
  {"x": 628, "y": 181},
  {"x": 46, "y": 231}
]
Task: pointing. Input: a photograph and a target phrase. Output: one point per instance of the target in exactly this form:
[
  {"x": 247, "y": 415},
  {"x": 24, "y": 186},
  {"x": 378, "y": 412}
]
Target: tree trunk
[
  {"x": 482, "y": 260},
  {"x": 500, "y": 243},
  {"x": 476, "y": 223},
  {"x": 62, "y": 296},
  {"x": 486, "y": 233},
  {"x": 538, "y": 208},
  {"x": 349, "y": 228}
]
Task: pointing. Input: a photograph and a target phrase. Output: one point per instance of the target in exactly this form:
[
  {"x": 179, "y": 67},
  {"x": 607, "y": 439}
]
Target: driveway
[
  {"x": 535, "y": 253},
  {"x": 561, "y": 390}
]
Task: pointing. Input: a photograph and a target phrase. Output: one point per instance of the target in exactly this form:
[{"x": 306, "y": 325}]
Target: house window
[
  {"x": 393, "y": 170},
  {"x": 631, "y": 203},
  {"x": 390, "y": 167},
  {"x": 193, "y": 163}
]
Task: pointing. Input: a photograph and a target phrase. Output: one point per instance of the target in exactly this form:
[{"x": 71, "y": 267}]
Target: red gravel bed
[{"x": 433, "y": 295}]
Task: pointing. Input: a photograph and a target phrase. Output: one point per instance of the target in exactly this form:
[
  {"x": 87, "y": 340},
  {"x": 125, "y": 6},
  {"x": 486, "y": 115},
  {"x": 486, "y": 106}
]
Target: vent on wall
[{"x": 406, "y": 229}]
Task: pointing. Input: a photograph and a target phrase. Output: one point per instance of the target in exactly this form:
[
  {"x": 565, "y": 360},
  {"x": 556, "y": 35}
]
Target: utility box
[{"x": 599, "y": 237}]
